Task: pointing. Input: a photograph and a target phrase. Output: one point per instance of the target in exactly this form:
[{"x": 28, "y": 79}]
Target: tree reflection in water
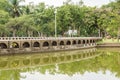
[{"x": 65, "y": 63}]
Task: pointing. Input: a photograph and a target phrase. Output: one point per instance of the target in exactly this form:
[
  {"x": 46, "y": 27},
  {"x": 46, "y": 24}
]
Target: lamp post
[{"x": 55, "y": 23}]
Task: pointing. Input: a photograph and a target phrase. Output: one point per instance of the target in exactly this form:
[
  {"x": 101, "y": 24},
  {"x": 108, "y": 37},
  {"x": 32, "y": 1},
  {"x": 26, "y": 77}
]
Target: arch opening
[
  {"x": 87, "y": 41},
  {"x": 15, "y": 45},
  {"x": 26, "y": 45},
  {"x": 26, "y": 62},
  {"x": 3, "y": 64},
  {"x": 68, "y": 43},
  {"x": 36, "y": 61},
  {"x": 61, "y": 42},
  {"x": 83, "y": 41},
  {"x": 54, "y": 43},
  {"x": 79, "y": 42},
  {"x": 74, "y": 42},
  {"x": 3, "y": 46},
  {"x": 45, "y": 44},
  {"x": 36, "y": 44},
  {"x": 90, "y": 41}
]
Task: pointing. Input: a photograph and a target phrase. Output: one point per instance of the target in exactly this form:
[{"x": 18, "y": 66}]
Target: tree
[
  {"x": 14, "y": 8},
  {"x": 39, "y": 20},
  {"x": 4, "y": 17},
  {"x": 4, "y": 5},
  {"x": 110, "y": 18}
]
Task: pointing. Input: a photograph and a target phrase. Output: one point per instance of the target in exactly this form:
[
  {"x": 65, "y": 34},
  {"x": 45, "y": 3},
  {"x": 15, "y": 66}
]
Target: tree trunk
[
  {"x": 38, "y": 33},
  {"x": 99, "y": 33},
  {"x": 14, "y": 31},
  {"x": 28, "y": 33},
  {"x": 31, "y": 33},
  {"x": 79, "y": 32},
  {"x": 41, "y": 34}
]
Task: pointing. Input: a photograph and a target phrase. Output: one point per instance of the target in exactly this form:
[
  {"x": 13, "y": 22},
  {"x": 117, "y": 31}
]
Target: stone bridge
[
  {"x": 10, "y": 45},
  {"x": 35, "y": 60}
]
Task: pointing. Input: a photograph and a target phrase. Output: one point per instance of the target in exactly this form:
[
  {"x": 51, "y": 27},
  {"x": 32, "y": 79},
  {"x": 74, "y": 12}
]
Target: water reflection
[
  {"x": 67, "y": 65},
  {"x": 23, "y": 61}
]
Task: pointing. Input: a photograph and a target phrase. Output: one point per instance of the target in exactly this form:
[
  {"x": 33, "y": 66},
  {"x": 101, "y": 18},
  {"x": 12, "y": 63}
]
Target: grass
[{"x": 109, "y": 41}]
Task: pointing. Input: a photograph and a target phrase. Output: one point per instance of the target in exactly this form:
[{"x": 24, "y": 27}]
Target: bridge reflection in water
[{"x": 33, "y": 60}]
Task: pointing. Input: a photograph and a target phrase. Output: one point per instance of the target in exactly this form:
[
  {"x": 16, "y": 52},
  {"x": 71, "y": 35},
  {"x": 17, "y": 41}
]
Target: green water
[{"x": 88, "y": 64}]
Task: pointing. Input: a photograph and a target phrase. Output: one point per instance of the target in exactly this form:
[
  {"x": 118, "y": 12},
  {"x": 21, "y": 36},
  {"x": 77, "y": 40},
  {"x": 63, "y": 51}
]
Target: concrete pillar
[{"x": 41, "y": 46}]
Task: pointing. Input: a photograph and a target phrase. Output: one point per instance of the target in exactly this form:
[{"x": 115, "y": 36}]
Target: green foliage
[
  {"x": 19, "y": 26},
  {"x": 39, "y": 20},
  {"x": 4, "y": 16},
  {"x": 14, "y": 8},
  {"x": 4, "y": 5}
]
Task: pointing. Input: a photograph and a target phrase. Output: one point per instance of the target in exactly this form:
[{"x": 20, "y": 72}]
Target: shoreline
[
  {"x": 108, "y": 45},
  {"x": 15, "y": 52}
]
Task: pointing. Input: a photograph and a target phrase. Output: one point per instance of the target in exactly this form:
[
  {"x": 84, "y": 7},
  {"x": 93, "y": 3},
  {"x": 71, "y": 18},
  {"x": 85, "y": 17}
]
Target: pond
[{"x": 88, "y": 64}]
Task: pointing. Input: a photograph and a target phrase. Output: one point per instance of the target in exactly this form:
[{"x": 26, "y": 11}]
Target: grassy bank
[{"x": 109, "y": 41}]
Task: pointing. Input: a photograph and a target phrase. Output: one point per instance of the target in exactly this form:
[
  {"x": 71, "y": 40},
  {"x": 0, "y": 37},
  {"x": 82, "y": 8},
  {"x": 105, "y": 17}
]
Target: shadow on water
[{"x": 65, "y": 62}]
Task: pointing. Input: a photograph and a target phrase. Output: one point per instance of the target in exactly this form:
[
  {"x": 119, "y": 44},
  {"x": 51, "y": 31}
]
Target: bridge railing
[{"x": 45, "y": 38}]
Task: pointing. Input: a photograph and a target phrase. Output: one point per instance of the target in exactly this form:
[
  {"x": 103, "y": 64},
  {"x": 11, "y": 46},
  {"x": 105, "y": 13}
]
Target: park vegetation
[{"x": 39, "y": 20}]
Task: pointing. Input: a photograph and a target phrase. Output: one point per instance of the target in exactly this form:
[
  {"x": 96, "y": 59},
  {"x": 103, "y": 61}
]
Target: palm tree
[{"x": 14, "y": 8}]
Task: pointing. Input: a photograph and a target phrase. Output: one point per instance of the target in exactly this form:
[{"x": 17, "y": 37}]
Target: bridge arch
[
  {"x": 3, "y": 46},
  {"x": 15, "y": 45},
  {"x": 45, "y": 44},
  {"x": 26, "y": 61},
  {"x": 83, "y": 41},
  {"x": 79, "y": 41},
  {"x": 3, "y": 64},
  {"x": 26, "y": 45},
  {"x": 68, "y": 43},
  {"x": 87, "y": 41},
  {"x": 90, "y": 41},
  {"x": 36, "y": 60},
  {"x": 93, "y": 41},
  {"x": 54, "y": 43},
  {"x": 61, "y": 42},
  {"x": 36, "y": 44},
  {"x": 74, "y": 42}
]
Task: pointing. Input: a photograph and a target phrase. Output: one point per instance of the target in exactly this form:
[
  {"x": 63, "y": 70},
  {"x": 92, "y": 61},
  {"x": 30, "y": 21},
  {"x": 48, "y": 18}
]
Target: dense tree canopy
[{"x": 39, "y": 20}]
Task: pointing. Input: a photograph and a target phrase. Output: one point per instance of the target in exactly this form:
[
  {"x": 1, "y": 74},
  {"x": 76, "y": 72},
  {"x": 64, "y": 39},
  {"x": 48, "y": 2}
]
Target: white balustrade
[{"x": 46, "y": 38}]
